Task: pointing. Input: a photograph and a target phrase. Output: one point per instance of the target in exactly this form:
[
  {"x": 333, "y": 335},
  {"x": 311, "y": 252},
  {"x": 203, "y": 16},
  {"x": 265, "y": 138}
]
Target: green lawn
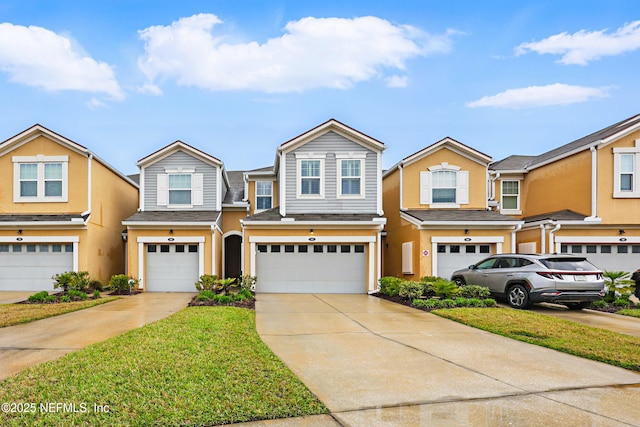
[
  {"x": 558, "y": 334},
  {"x": 14, "y": 314},
  {"x": 633, "y": 312},
  {"x": 201, "y": 366}
]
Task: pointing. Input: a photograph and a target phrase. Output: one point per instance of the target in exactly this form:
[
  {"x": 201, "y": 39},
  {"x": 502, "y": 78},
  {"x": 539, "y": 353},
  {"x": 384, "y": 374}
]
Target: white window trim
[
  {"x": 256, "y": 210},
  {"x": 197, "y": 188},
  {"x": 309, "y": 156},
  {"x": 340, "y": 157},
  {"x": 462, "y": 190},
  {"x": 517, "y": 210},
  {"x": 40, "y": 160},
  {"x": 617, "y": 154}
]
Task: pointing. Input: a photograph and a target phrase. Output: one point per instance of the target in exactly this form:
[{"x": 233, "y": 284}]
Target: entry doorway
[{"x": 233, "y": 256}]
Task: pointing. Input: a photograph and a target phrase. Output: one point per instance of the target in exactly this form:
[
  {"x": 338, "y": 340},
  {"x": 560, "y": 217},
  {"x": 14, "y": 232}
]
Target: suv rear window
[{"x": 568, "y": 264}]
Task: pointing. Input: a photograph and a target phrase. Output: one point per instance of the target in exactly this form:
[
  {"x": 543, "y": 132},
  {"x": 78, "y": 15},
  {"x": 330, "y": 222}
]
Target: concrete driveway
[
  {"x": 373, "y": 362},
  {"x": 28, "y": 344}
]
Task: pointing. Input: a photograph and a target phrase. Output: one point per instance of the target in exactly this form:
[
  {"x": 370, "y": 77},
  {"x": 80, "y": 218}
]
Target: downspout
[
  {"x": 543, "y": 237},
  {"x": 594, "y": 181},
  {"x": 551, "y": 233},
  {"x": 401, "y": 168},
  {"x": 493, "y": 186},
  {"x": 513, "y": 238},
  {"x": 87, "y": 213}
]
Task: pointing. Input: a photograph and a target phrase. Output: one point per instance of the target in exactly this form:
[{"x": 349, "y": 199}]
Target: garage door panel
[
  {"x": 312, "y": 271},
  {"x": 609, "y": 257},
  {"x": 172, "y": 268},
  {"x": 452, "y": 257},
  {"x": 30, "y": 266}
]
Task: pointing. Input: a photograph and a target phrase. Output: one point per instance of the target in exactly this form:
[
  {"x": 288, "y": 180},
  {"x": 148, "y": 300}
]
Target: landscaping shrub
[
  {"x": 462, "y": 302},
  {"x": 122, "y": 282},
  {"x": 410, "y": 289},
  {"x": 65, "y": 298},
  {"x": 96, "y": 293},
  {"x": 599, "y": 304},
  {"x": 207, "y": 282},
  {"x": 476, "y": 302},
  {"x": 39, "y": 297},
  {"x": 447, "y": 303},
  {"x": 489, "y": 302},
  {"x": 390, "y": 285},
  {"x": 207, "y": 295},
  {"x": 224, "y": 299},
  {"x": 445, "y": 289},
  {"x": 96, "y": 285},
  {"x": 474, "y": 291},
  {"x": 75, "y": 280},
  {"x": 246, "y": 293},
  {"x": 430, "y": 304},
  {"x": 248, "y": 282},
  {"x": 621, "y": 302},
  {"x": 51, "y": 298},
  {"x": 76, "y": 295}
]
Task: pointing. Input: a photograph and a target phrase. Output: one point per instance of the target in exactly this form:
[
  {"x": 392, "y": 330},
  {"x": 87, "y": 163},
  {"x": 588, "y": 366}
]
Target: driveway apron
[
  {"x": 31, "y": 343},
  {"x": 373, "y": 362}
]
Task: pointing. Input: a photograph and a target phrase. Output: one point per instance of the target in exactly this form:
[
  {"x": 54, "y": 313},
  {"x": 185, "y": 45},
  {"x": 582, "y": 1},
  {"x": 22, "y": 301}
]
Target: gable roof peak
[
  {"x": 457, "y": 145},
  {"x": 336, "y": 126},
  {"x": 176, "y": 146}
]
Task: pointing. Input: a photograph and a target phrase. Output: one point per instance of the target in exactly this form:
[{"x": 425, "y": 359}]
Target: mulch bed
[
  {"x": 249, "y": 303},
  {"x": 119, "y": 292},
  {"x": 57, "y": 301}
]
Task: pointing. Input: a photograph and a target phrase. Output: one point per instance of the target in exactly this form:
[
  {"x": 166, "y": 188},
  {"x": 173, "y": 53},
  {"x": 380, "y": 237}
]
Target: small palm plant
[{"x": 617, "y": 283}]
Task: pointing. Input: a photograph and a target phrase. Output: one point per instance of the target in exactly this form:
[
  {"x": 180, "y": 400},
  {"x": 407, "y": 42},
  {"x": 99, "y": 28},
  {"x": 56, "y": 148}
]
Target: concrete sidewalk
[
  {"x": 31, "y": 343},
  {"x": 373, "y": 362}
]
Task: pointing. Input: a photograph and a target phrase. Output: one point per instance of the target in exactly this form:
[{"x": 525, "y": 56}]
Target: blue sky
[{"x": 238, "y": 78}]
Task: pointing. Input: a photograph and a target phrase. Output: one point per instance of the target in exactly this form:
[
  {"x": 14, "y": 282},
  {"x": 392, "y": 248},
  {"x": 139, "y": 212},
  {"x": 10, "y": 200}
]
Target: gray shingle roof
[
  {"x": 512, "y": 163},
  {"x": 39, "y": 218},
  {"x": 274, "y": 215},
  {"x": 174, "y": 216},
  {"x": 429, "y": 215},
  {"x": 563, "y": 215},
  {"x": 236, "y": 187}
]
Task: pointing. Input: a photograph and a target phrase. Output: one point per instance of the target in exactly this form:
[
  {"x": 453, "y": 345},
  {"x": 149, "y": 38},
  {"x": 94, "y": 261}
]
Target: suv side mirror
[{"x": 472, "y": 267}]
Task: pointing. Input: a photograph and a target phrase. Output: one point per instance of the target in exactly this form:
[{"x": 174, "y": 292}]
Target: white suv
[{"x": 525, "y": 279}]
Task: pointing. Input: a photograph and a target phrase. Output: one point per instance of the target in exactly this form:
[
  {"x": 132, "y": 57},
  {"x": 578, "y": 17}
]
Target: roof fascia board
[
  {"x": 337, "y": 127},
  {"x": 565, "y": 155},
  {"x": 608, "y": 140},
  {"x": 176, "y": 224},
  {"x": 465, "y": 224},
  {"x": 176, "y": 146},
  {"x": 452, "y": 145},
  {"x": 315, "y": 223},
  {"x": 35, "y": 131}
]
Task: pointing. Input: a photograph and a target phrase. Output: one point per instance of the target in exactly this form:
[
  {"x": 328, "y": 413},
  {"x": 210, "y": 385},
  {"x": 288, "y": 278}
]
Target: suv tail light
[{"x": 550, "y": 275}]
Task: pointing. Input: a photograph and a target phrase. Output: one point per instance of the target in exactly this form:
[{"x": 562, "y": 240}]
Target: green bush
[
  {"x": 96, "y": 293},
  {"x": 77, "y": 295},
  {"x": 599, "y": 304},
  {"x": 621, "y": 302},
  {"x": 39, "y": 297},
  {"x": 410, "y": 289},
  {"x": 207, "y": 295},
  {"x": 239, "y": 297},
  {"x": 445, "y": 289},
  {"x": 462, "y": 302},
  {"x": 430, "y": 304},
  {"x": 489, "y": 302},
  {"x": 246, "y": 293},
  {"x": 96, "y": 285},
  {"x": 65, "y": 298},
  {"x": 51, "y": 298},
  {"x": 248, "y": 282},
  {"x": 224, "y": 299},
  {"x": 476, "y": 302},
  {"x": 447, "y": 303},
  {"x": 207, "y": 282},
  {"x": 122, "y": 282},
  {"x": 474, "y": 291},
  {"x": 390, "y": 285}
]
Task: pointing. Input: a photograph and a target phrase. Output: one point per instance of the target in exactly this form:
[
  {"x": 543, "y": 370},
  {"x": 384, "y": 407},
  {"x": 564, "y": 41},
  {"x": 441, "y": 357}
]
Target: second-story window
[
  {"x": 40, "y": 179},
  {"x": 264, "y": 195},
  {"x": 350, "y": 177},
  {"x": 443, "y": 186},
  {"x": 510, "y": 195},
  {"x": 180, "y": 189},
  {"x": 310, "y": 176},
  {"x": 626, "y": 170}
]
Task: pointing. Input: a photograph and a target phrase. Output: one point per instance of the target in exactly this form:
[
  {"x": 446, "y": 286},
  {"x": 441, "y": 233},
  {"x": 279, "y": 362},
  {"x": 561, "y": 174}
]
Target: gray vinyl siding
[
  {"x": 179, "y": 159},
  {"x": 330, "y": 144}
]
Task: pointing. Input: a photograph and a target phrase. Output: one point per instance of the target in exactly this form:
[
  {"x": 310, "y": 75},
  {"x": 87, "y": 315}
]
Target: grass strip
[
  {"x": 633, "y": 312},
  {"x": 202, "y": 366},
  {"x": 559, "y": 334},
  {"x": 14, "y": 314}
]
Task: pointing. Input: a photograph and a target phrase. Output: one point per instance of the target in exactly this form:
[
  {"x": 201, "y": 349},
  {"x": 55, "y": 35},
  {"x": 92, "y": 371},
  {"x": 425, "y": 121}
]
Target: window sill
[
  {"x": 180, "y": 206},
  {"x": 444, "y": 206},
  {"x": 350, "y": 196},
  {"x": 310, "y": 196},
  {"x": 626, "y": 195},
  {"x": 511, "y": 211},
  {"x": 40, "y": 200}
]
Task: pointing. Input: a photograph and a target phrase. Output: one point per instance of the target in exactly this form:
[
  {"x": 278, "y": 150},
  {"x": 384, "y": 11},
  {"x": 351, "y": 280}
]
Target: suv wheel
[
  {"x": 459, "y": 281},
  {"x": 518, "y": 297}
]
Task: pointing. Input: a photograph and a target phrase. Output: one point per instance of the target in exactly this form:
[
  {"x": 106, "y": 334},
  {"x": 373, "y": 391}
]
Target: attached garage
[
  {"x": 452, "y": 257},
  {"x": 172, "y": 267},
  {"x": 316, "y": 268},
  {"x": 610, "y": 257},
  {"x": 30, "y": 266}
]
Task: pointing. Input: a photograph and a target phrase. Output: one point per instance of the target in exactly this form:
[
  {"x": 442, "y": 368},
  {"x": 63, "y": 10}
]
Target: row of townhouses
[{"x": 325, "y": 217}]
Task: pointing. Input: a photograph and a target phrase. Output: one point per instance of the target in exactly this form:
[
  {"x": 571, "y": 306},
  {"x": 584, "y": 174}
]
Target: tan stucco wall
[
  {"x": 77, "y": 179},
  {"x": 113, "y": 200},
  {"x": 532, "y": 236},
  {"x": 231, "y": 219},
  {"x": 565, "y": 184},
  {"x": 163, "y": 233},
  {"x": 477, "y": 178}
]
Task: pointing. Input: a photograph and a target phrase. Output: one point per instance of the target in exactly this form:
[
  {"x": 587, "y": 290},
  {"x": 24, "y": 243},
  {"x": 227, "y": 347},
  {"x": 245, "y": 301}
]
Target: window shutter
[
  {"x": 407, "y": 258},
  {"x": 462, "y": 192},
  {"x": 162, "y": 191},
  {"x": 198, "y": 189},
  {"x": 425, "y": 188}
]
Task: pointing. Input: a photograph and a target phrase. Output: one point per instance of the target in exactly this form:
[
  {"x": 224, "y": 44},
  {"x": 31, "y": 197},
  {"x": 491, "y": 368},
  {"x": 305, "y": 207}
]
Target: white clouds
[
  {"x": 312, "y": 53},
  {"x": 540, "y": 96},
  {"x": 38, "y": 57},
  {"x": 585, "y": 46},
  {"x": 397, "y": 81}
]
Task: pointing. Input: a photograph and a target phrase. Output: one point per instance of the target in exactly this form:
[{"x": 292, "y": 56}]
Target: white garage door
[
  {"x": 452, "y": 257},
  {"x": 172, "y": 268},
  {"x": 614, "y": 257},
  {"x": 303, "y": 268},
  {"x": 30, "y": 266}
]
